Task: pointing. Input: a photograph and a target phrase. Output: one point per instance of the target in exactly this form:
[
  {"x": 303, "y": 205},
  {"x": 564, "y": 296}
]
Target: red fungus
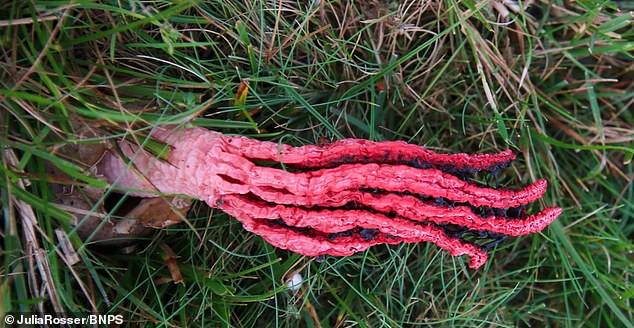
[{"x": 341, "y": 198}]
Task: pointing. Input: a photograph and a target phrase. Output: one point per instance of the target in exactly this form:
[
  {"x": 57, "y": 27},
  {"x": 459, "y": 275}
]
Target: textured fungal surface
[{"x": 341, "y": 198}]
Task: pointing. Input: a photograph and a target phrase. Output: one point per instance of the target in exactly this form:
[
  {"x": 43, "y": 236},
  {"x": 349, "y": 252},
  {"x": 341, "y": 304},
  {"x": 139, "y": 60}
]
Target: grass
[{"x": 552, "y": 81}]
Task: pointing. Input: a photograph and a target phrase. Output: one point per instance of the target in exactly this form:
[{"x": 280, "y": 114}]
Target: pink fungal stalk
[{"x": 341, "y": 198}]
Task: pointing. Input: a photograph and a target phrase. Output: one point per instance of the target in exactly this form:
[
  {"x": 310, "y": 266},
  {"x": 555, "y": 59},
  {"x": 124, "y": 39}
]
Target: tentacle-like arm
[
  {"x": 340, "y": 198},
  {"x": 349, "y": 151}
]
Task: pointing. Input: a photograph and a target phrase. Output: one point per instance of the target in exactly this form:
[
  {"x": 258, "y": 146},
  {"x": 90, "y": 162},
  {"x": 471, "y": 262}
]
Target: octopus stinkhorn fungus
[{"x": 338, "y": 199}]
